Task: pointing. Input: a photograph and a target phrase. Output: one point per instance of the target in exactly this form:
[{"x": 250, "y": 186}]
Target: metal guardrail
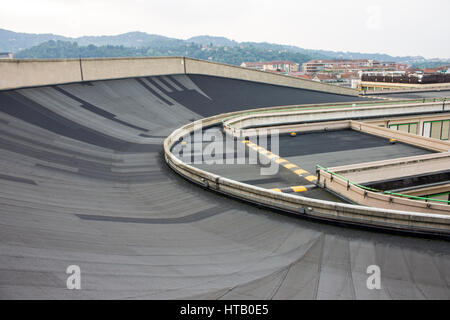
[{"x": 319, "y": 167}]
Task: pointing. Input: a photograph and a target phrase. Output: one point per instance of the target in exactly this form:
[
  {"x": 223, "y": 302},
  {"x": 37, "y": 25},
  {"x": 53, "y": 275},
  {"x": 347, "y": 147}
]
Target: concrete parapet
[
  {"x": 409, "y": 138},
  {"x": 195, "y": 66},
  {"x": 278, "y": 118},
  {"x": 396, "y": 87},
  {"x": 369, "y": 198},
  {"x": 31, "y": 73},
  {"x": 101, "y": 69},
  {"x": 394, "y": 168},
  {"x": 417, "y": 221}
]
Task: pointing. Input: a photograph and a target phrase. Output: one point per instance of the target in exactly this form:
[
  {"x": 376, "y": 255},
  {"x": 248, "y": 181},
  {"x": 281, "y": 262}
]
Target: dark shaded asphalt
[
  {"x": 200, "y": 215},
  {"x": 19, "y": 106},
  {"x": 332, "y": 141},
  {"x": 343, "y": 147},
  {"x": 234, "y": 95},
  {"x": 75, "y": 193},
  {"x": 417, "y": 94}
]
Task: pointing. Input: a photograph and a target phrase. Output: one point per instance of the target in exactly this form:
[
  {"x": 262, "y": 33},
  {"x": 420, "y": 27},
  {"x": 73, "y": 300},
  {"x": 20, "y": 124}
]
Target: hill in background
[
  {"x": 219, "y": 49},
  {"x": 229, "y": 55}
]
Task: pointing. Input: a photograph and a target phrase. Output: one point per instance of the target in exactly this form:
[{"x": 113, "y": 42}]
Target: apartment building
[
  {"x": 315, "y": 66},
  {"x": 6, "y": 55},
  {"x": 275, "y": 66}
]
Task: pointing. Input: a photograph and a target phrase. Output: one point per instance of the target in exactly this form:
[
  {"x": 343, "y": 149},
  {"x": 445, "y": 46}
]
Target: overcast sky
[{"x": 396, "y": 27}]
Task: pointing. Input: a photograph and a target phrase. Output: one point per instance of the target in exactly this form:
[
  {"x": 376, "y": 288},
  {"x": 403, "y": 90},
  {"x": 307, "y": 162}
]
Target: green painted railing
[{"x": 319, "y": 167}]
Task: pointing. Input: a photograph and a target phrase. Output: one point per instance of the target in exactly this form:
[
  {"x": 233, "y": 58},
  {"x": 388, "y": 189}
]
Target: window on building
[
  {"x": 413, "y": 128},
  {"x": 426, "y": 129},
  {"x": 445, "y": 130},
  {"x": 437, "y": 129},
  {"x": 405, "y": 127}
]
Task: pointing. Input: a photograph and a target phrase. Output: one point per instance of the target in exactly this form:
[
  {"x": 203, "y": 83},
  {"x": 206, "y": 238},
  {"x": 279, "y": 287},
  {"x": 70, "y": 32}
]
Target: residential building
[
  {"x": 411, "y": 78},
  {"x": 277, "y": 66},
  {"x": 347, "y": 79},
  {"x": 6, "y": 55},
  {"x": 315, "y": 66}
]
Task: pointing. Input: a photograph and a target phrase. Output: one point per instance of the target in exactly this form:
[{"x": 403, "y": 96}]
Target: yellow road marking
[
  {"x": 276, "y": 189},
  {"x": 279, "y": 160},
  {"x": 299, "y": 189}
]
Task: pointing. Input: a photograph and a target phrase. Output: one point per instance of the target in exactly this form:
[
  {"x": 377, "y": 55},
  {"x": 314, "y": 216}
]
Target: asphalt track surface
[
  {"x": 417, "y": 94},
  {"x": 230, "y": 158},
  {"x": 83, "y": 182},
  {"x": 343, "y": 147}
]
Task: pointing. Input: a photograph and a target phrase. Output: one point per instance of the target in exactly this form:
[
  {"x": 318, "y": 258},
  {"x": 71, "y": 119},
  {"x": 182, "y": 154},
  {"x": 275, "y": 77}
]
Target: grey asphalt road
[
  {"x": 417, "y": 94},
  {"x": 83, "y": 182},
  {"x": 343, "y": 147}
]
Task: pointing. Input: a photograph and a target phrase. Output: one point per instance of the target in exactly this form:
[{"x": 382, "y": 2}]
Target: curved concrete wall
[
  {"x": 298, "y": 115},
  {"x": 195, "y": 66},
  {"x": 30, "y": 73},
  {"x": 379, "y": 200},
  {"x": 318, "y": 209}
]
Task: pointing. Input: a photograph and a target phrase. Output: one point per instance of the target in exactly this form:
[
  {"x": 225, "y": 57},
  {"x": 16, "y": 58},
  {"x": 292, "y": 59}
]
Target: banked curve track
[{"x": 83, "y": 182}]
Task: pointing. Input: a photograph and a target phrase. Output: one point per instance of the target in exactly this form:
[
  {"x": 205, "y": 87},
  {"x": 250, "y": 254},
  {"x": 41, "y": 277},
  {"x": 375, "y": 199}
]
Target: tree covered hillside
[{"x": 229, "y": 55}]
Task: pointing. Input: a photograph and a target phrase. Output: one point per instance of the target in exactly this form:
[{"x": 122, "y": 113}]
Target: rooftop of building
[{"x": 262, "y": 63}]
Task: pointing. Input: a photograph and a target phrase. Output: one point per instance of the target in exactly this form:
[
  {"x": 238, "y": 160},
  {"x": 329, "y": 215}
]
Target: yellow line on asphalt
[
  {"x": 300, "y": 171},
  {"x": 311, "y": 178},
  {"x": 276, "y": 190},
  {"x": 299, "y": 189},
  {"x": 280, "y": 160}
]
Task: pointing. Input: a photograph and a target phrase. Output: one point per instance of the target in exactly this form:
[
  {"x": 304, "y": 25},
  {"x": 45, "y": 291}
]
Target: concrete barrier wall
[
  {"x": 30, "y": 73},
  {"x": 409, "y": 138},
  {"x": 394, "y": 168},
  {"x": 293, "y": 115},
  {"x": 340, "y": 186},
  {"x": 353, "y": 214},
  {"x": 394, "y": 86},
  {"x": 101, "y": 69},
  {"x": 194, "y": 66},
  {"x": 412, "y": 119},
  {"x": 305, "y": 127},
  {"x": 379, "y": 200}
]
